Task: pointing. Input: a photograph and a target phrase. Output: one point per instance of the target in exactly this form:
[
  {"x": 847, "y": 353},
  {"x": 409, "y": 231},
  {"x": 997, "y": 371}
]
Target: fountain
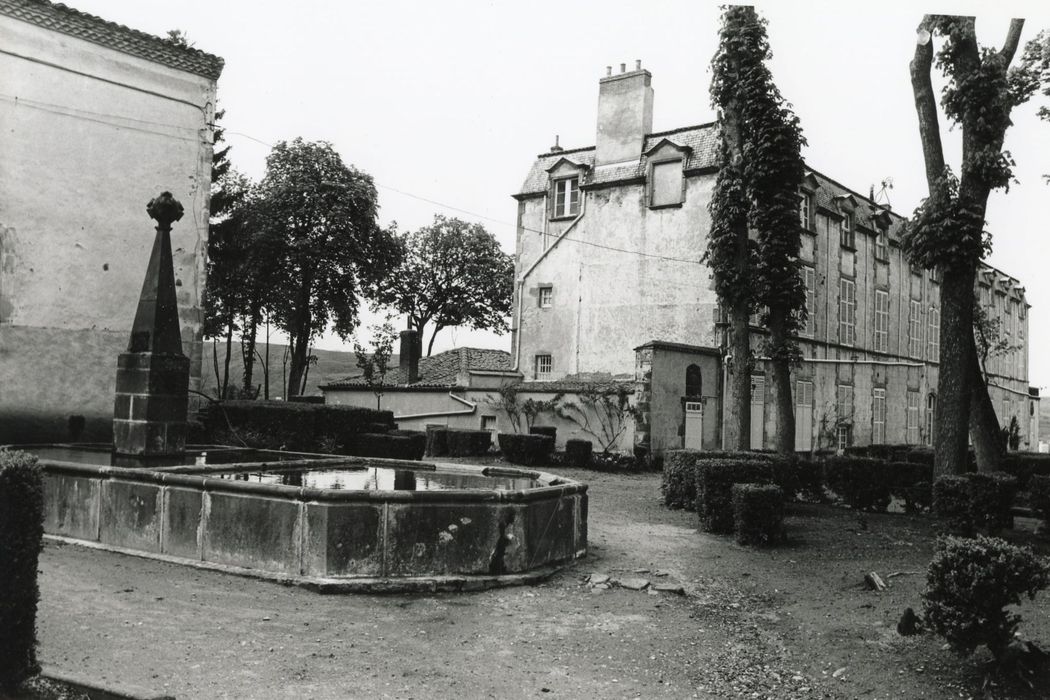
[{"x": 332, "y": 523}]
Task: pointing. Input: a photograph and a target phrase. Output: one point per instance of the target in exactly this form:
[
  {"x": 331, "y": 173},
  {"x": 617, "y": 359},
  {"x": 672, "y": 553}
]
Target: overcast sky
[{"x": 451, "y": 101}]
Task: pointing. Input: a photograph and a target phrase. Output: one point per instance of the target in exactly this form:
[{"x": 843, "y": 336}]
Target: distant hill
[{"x": 331, "y": 364}]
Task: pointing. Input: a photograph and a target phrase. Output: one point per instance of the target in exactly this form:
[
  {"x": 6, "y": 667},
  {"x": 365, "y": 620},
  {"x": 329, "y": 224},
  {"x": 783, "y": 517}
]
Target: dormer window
[
  {"x": 803, "y": 210},
  {"x": 566, "y": 197},
  {"x": 846, "y": 236},
  {"x": 665, "y": 184},
  {"x": 882, "y": 245}
]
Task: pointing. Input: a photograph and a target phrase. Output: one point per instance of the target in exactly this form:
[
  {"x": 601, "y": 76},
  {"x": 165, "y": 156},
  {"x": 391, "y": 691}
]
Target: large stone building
[
  {"x": 610, "y": 279},
  {"x": 97, "y": 119}
]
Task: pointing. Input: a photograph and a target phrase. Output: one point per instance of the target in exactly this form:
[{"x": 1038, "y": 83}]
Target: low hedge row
[
  {"x": 965, "y": 503},
  {"x": 870, "y": 484},
  {"x": 578, "y": 453},
  {"x": 457, "y": 442},
  {"x": 758, "y": 513},
  {"x": 397, "y": 444},
  {"x": 1024, "y": 466},
  {"x": 548, "y": 430},
  {"x": 21, "y": 539},
  {"x": 679, "y": 473},
  {"x": 286, "y": 425},
  {"x": 1039, "y": 498},
  {"x": 714, "y": 488},
  {"x": 528, "y": 450}
]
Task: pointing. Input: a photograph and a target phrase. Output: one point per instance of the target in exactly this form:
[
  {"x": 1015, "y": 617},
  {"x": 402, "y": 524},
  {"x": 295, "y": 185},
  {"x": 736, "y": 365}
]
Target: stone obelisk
[{"x": 149, "y": 413}]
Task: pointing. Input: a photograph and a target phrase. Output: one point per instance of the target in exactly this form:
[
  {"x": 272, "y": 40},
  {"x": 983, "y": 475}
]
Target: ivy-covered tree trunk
[
  {"x": 737, "y": 407},
  {"x": 784, "y": 441},
  {"x": 248, "y": 343}
]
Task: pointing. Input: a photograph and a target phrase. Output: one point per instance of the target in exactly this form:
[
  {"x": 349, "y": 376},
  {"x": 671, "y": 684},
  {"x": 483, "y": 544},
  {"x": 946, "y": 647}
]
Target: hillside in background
[{"x": 331, "y": 364}]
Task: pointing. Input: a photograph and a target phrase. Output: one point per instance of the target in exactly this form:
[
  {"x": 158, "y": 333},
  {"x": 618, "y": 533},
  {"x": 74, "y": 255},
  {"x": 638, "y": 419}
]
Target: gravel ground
[{"x": 793, "y": 622}]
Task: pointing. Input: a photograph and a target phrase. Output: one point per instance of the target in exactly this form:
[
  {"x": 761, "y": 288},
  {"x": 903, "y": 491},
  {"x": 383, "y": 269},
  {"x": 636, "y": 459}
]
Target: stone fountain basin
[{"x": 324, "y": 538}]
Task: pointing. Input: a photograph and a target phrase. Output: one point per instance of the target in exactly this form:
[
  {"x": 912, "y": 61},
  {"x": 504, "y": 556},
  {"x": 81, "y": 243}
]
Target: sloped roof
[
  {"x": 701, "y": 142},
  {"x": 61, "y": 18},
  {"x": 437, "y": 371}
]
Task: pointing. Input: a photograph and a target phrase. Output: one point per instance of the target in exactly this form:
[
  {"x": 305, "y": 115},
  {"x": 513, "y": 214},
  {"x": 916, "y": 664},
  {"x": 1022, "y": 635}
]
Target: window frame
[
  {"x": 878, "y": 416},
  {"x": 538, "y": 361},
  {"x": 847, "y": 312},
  {"x": 915, "y": 344},
  {"x": 805, "y": 211},
  {"x": 847, "y": 235},
  {"x": 572, "y": 185},
  {"x": 881, "y": 322},
  {"x": 882, "y": 245},
  {"x": 809, "y": 282},
  {"x": 933, "y": 335},
  {"x": 931, "y": 417},
  {"x": 844, "y": 397},
  {"x": 545, "y": 296},
  {"x": 653, "y": 165},
  {"x": 911, "y": 426}
]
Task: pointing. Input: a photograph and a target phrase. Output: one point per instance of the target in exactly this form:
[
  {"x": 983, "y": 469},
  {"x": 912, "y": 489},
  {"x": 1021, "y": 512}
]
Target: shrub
[
  {"x": 992, "y": 496},
  {"x": 397, "y": 444},
  {"x": 680, "y": 472},
  {"x": 920, "y": 455},
  {"x": 578, "y": 453},
  {"x": 758, "y": 513},
  {"x": 863, "y": 483},
  {"x": 1026, "y": 465},
  {"x": 437, "y": 441},
  {"x": 912, "y": 482},
  {"x": 810, "y": 480},
  {"x": 1039, "y": 498},
  {"x": 616, "y": 462},
  {"x": 952, "y": 506},
  {"x": 21, "y": 536},
  {"x": 468, "y": 443},
  {"x": 968, "y": 585},
  {"x": 714, "y": 485},
  {"x": 528, "y": 450},
  {"x": 549, "y": 430},
  {"x": 286, "y": 425}
]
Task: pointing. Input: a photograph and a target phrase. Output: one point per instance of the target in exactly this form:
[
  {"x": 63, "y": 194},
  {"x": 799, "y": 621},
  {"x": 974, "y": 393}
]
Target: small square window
[
  {"x": 566, "y": 197},
  {"x": 488, "y": 423},
  {"x": 545, "y": 296},
  {"x": 544, "y": 364}
]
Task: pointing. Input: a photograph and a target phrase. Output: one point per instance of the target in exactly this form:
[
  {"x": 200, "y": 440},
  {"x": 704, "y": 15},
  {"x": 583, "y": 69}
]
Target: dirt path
[{"x": 755, "y": 624}]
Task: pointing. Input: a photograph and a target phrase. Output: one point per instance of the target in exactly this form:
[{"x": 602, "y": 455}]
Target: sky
[{"x": 446, "y": 104}]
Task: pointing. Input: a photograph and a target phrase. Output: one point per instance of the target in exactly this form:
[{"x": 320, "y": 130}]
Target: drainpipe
[{"x": 471, "y": 408}]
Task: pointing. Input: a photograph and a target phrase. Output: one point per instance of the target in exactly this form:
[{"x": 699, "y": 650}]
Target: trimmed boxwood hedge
[
  {"x": 285, "y": 425},
  {"x": 758, "y": 513},
  {"x": 437, "y": 441},
  {"x": 967, "y": 502},
  {"x": 1026, "y": 465},
  {"x": 1039, "y": 498},
  {"x": 548, "y": 430},
  {"x": 578, "y": 453},
  {"x": 528, "y": 450},
  {"x": 21, "y": 538},
  {"x": 468, "y": 443},
  {"x": 714, "y": 485},
  {"x": 863, "y": 483},
  {"x": 397, "y": 444},
  {"x": 679, "y": 472}
]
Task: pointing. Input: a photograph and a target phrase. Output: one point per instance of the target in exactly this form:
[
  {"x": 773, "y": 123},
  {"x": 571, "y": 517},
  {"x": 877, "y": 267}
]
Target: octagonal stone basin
[{"x": 328, "y": 522}]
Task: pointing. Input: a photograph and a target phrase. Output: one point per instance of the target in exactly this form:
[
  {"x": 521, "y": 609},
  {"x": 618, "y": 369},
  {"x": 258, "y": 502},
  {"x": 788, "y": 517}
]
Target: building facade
[
  {"x": 97, "y": 120},
  {"x": 610, "y": 279}
]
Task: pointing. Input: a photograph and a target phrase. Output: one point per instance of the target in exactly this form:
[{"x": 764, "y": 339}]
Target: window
[
  {"x": 488, "y": 423},
  {"x": 844, "y": 403},
  {"x": 804, "y": 394},
  {"x": 543, "y": 366},
  {"x": 694, "y": 381},
  {"x": 935, "y": 275},
  {"x": 882, "y": 320},
  {"x": 915, "y": 330},
  {"x": 931, "y": 417},
  {"x": 566, "y": 197},
  {"x": 665, "y": 184},
  {"x": 809, "y": 277},
  {"x": 912, "y": 435},
  {"x": 545, "y": 296},
  {"x": 878, "y": 416},
  {"x": 847, "y": 312},
  {"x": 844, "y": 436},
  {"x": 933, "y": 336},
  {"x": 803, "y": 211},
  {"x": 1005, "y": 418},
  {"x": 882, "y": 245},
  {"x": 846, "y": 239}
]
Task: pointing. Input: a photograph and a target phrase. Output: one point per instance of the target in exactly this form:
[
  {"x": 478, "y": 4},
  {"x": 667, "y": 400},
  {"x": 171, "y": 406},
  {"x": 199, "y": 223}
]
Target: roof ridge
[{"x": 82, "y": 25}]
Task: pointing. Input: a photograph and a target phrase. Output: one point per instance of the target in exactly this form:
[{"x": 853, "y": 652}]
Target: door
[
  {"x": 804, "y": 416},
  {"x": 694, "y": 425},
  {"x": 758, "y": 410}
]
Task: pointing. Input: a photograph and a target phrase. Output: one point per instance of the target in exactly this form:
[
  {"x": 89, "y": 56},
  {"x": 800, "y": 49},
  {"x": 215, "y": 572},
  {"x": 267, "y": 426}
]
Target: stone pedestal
[{"x": 153, "y": 376}]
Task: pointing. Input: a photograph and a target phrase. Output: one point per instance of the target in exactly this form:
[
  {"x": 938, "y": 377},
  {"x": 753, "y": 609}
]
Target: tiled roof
[
  {"x": 572, "y": 383},
  {"x": 437, "y": 371},
  {"x": 60, "y": 18},
  {"x": 702, "y": 141},
  {"x": 863, "y": 215}
]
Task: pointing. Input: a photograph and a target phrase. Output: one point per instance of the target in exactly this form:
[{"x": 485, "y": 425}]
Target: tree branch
[
  {"x": 926, "y": 103},
  {"x": 1013, "y": 39}
]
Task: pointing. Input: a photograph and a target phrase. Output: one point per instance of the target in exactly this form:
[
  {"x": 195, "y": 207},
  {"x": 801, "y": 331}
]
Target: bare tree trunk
[
  {"x": 738, "y": 407},
  {"x": 955, "y": 374},
  {"x": 266, "y": 362},
  {"x": 248, "y": 338},
  {"x": 785, "y": 437},
  {"x": 226, "y": 362},
  {"x": 215, "y": 366},
  {"x": 984, "y": 425}
]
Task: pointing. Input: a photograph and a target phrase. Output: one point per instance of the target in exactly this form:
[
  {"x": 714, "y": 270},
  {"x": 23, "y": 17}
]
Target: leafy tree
[
  {"x": 374, "y": 364},
  {"x": 316, "y": 221},
  {"x": 757, "y": 189},
  {"x": 453, "y": 273},
  {"x": 947, "y": 231}
]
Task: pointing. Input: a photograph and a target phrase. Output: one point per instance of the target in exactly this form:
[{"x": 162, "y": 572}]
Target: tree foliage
[
  {"x": 316, "y": 219},
  {"x": 375, "y": 361},
  {"x": 452, "y": 273}
]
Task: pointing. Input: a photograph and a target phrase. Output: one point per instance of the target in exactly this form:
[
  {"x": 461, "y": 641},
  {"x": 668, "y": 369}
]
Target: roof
[
  {"x": 61, "y": 18},
  {"x": 700, "y": 143},
  {"x": 574, "y": 383},
  {"x": 441, "y": 371}
]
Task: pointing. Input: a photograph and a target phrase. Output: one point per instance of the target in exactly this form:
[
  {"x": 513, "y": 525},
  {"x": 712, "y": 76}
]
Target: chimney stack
[
  {"x": 410, "y": 352},
  {"x": 625, "y": 115}
]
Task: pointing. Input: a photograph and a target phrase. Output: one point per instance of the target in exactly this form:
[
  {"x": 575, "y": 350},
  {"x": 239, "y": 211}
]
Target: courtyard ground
[{"x": 791, "y": 622}]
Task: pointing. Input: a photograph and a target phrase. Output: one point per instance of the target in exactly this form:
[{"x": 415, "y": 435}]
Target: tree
[
  {"x": 316, "y": 222},
  {"x": 453, "y": 273},
  {"x": 374, "y": 364},
  {"x": 947, "y": 231},
  {"x": 761, "y": 142}
]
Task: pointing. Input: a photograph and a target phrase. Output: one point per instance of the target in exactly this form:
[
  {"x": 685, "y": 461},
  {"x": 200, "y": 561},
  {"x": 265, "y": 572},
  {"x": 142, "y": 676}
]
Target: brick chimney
[
  {"x": 411, "y": 349},
  {"x": 625, "y": 114}
]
